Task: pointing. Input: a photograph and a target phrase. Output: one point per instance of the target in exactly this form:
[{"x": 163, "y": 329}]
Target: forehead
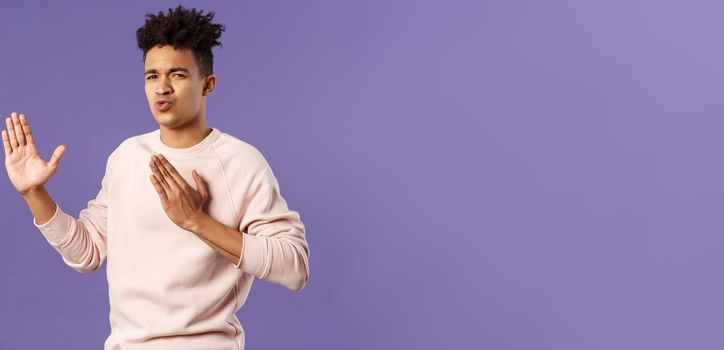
[{"x": 166, "y": 57}]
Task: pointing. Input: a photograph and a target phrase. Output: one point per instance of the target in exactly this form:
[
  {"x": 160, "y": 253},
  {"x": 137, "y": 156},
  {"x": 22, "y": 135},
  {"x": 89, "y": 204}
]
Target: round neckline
[{"x": 187, "y": 151}]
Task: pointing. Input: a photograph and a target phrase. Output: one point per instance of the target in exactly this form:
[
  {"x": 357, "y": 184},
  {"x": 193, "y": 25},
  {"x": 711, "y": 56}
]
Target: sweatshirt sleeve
[
  {"x": 274, "y": 248},
  {"x": 82, "y": 242}
]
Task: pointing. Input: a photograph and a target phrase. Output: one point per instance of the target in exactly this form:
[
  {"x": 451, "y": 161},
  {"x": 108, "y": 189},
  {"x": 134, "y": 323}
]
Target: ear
[{"x": 209, "y": 85}]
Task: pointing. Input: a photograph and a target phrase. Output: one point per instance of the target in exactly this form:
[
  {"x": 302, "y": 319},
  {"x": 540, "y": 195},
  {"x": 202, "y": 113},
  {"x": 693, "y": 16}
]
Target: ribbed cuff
[
  {"x": 241, "y": 253},
  {"x": 56, "y": 229},
  {"x": 252, "y": 255}
]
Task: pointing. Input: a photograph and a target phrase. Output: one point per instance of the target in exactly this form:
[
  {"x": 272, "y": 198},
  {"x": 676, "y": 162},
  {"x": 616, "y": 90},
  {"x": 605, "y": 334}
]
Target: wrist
[
  {"x": 198, "y": 224},
  {"x": 32, "y": 192}
]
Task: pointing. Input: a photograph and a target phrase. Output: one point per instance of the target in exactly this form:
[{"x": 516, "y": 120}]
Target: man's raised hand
[{"x": 26, "y": 169}]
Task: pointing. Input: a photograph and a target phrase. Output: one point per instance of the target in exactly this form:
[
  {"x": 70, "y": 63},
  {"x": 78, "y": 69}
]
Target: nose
[{"x": 163, "y": 87}]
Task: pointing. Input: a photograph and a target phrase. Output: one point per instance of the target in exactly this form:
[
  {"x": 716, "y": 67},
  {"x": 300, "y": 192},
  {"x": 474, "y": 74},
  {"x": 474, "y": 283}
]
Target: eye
[
  {"x": 180, "y": 75},
  {"x": 150, "y": 76}
]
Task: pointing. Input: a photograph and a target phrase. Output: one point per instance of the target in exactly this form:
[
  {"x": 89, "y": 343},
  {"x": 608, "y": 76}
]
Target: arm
[
  {"x": 81, "y": 242},
  {"x": 274, "y": 246},
  {"x": 278, "y": 251}
]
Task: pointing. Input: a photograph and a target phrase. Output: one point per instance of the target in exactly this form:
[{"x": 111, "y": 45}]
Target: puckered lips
[{"x": 163, "y": 105}]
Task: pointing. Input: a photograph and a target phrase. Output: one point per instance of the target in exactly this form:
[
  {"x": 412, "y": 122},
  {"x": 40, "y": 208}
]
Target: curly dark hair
[{"x": 182, "y": 28}]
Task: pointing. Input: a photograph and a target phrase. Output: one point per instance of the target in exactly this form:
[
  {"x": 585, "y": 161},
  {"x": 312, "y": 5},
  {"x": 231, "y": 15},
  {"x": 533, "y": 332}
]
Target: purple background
[{"x": 480, "y": 174}]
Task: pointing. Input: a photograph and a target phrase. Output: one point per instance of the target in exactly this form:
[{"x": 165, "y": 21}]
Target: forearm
[
  {"x": 228, "y": 255},
  {"x": 225, "y": 240},
  {"x": 81, "y": 241},
  {"x": 41, "y": 204}
]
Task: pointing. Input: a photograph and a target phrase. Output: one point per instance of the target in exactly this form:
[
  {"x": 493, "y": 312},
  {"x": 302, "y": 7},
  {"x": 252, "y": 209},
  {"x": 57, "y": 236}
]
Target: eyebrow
[{"x": 173, "y": 69}]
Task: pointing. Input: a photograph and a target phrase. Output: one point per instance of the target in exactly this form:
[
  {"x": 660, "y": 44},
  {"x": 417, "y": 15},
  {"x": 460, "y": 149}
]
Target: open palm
[{"x": 26, "y": 169}]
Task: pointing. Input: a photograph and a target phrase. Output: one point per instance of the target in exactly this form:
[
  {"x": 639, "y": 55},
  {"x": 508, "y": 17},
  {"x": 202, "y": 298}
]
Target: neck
[{"x": 185, "y": 136}]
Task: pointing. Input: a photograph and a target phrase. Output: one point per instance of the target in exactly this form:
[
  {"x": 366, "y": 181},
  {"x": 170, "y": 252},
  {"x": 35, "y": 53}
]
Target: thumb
[
  {"x": 53, "y": 164},
  {"x": 200, "y": 184}
]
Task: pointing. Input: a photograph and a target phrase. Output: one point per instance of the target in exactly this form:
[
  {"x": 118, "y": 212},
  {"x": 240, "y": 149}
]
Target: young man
[{"x": 186, "y": 215}]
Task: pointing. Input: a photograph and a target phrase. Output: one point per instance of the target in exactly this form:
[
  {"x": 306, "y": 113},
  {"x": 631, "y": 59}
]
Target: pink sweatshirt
[{"x": 167, "y": 288}]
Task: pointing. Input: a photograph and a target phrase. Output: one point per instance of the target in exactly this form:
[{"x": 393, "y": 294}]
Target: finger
[
  {"x": 26, "y": 129},
  {"x": 200, "y": 184},
  {"x": 11, "y": 132},
  {"x": 172, "y": 182},
  {"x": 6, "y": 143},
  {"x": 19, "y": 133},
  {"x": 171, "y": 171},
  {"x": 159, "y": 177},
  {"x": 161, "y": 173},
  {"x": 159, "y": 189},
  {"x": 55, "y": 158}
]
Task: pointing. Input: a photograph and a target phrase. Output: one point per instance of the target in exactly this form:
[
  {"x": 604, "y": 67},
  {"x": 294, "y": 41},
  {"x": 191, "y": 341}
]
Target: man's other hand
[{"x": 184, "y": 205}]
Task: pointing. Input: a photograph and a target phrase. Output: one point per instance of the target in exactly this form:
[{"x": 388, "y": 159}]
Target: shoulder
[
  {"x": 130, "y": 144},
  {"x": 233, "y": 151}
]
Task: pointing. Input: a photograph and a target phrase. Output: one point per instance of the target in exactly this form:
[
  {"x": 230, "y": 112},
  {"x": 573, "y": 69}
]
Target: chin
[
  {"x": 165, "y": 120},
  {"x": 171, "y": 121}
]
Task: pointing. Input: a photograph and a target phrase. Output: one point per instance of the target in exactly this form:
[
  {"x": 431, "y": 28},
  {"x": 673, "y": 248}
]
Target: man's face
[{"x": 172, "y": 75}]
